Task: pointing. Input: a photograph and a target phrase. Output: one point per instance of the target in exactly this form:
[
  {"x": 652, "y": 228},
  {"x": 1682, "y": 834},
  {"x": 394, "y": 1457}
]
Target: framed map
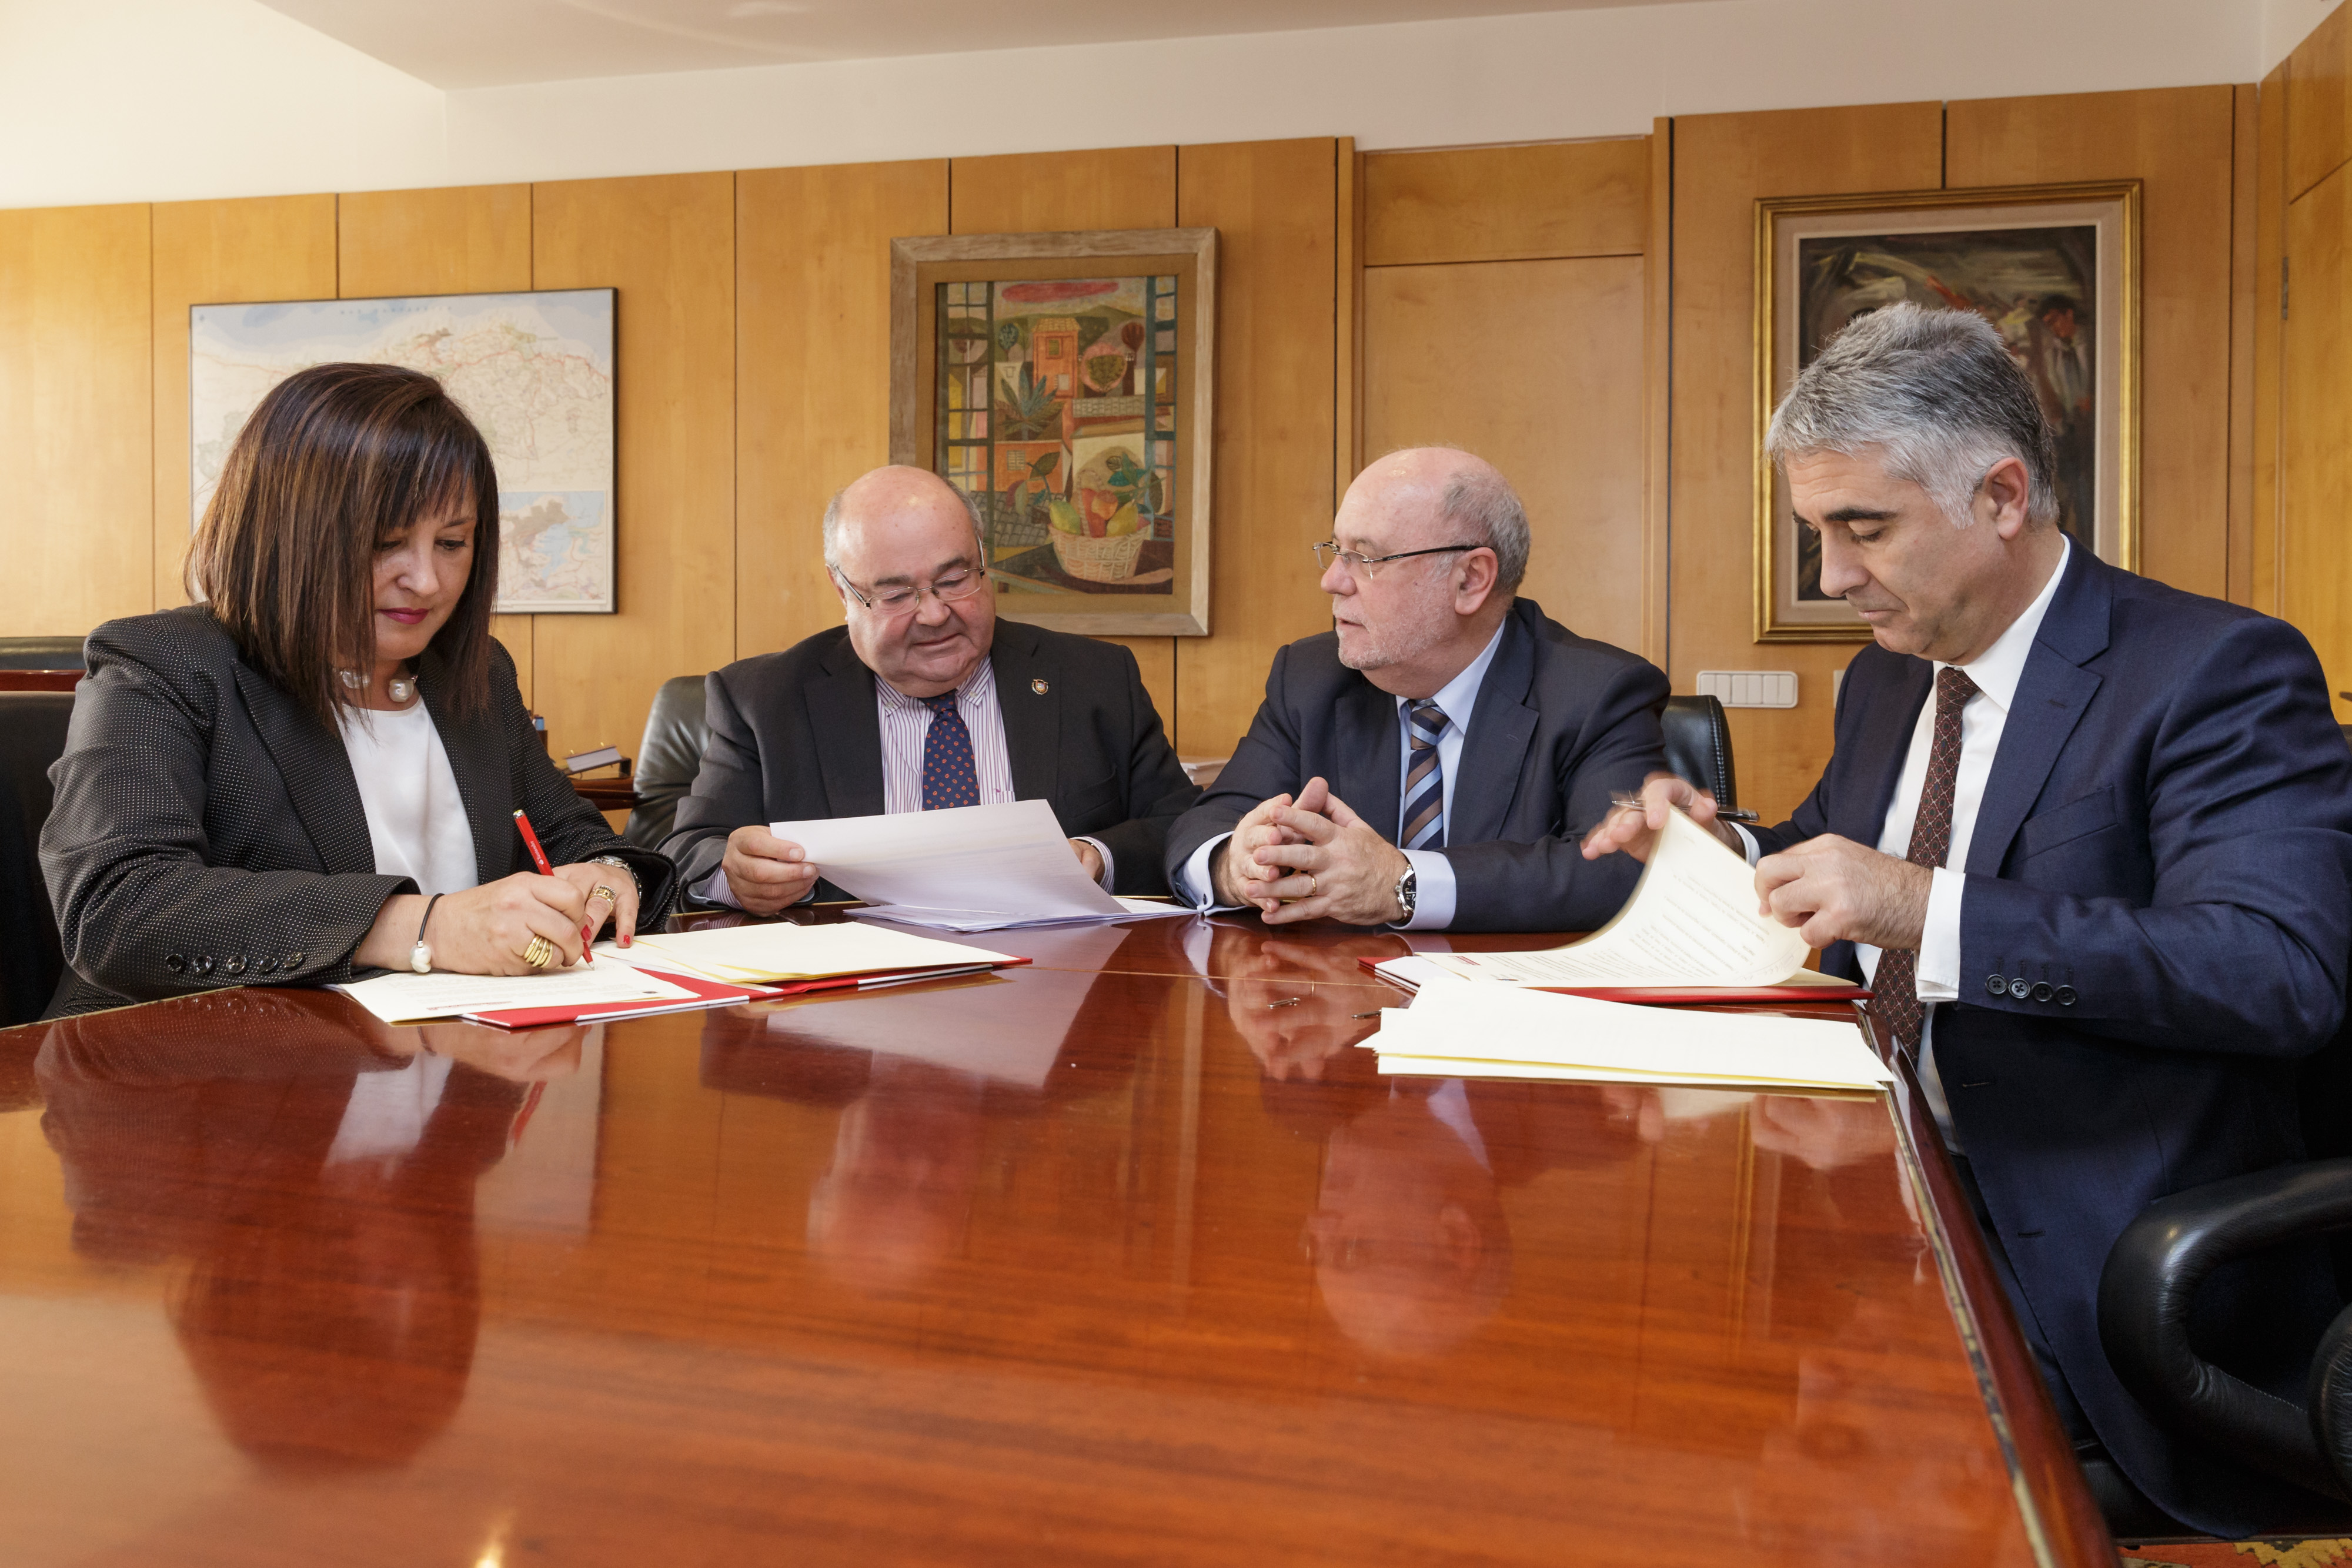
[{"x": 534, "y": 370}]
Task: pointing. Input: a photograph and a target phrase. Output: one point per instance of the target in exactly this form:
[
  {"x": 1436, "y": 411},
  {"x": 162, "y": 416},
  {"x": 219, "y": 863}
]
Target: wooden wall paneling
[
  {"x": 77, "y": 418},
  {"x": 2318, "y": 102},
  {"x": 1348, "y": 312},
  {"x": 2244, "y": 244},
  {"x": 218, "y": 253},
  {"x": 1508, "y": 203},
  {"x": 2315, "y": 457},
  {"x": 1049, "y": 193},
  {"x": 1722, "y": 164},
  {"x": 813, "y": 336},
  {"x": 667, "y": 243},
  {"x": 2177, "y": 141},
  {"x": 1551, "y": 346},
  {"x": 459, "y": 239},
  {"x": 2270, "y": 263},
  {"x": 1657, "y": 401},
  {"x": 1273, "y": 205}
]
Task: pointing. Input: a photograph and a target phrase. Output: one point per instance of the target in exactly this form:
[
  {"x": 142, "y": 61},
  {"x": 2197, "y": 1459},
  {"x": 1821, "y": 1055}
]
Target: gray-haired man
[
  {"x": 2090, "y": 839},
  {"x": 1430, "y": 761}
]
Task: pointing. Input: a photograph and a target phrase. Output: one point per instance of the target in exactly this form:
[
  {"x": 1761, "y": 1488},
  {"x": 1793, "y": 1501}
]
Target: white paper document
[
  {"x": 1497, "y": 1031},
  {"x": 760, "y": 954},
  {"x": 1692, "y": 921},
  {"x": 968, "y": 867},
  {"x": 406, "y": 999}
]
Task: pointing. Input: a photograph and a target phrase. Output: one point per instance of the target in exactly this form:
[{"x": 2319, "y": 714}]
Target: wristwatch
[{"x": 1407, "y": 890}]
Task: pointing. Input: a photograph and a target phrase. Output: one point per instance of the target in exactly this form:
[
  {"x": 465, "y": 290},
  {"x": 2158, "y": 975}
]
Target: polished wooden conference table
[{"x": 1127, "y": 1256}]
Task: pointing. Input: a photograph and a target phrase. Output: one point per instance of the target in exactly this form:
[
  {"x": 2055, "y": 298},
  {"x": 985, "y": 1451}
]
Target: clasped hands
[
  {"x": 1310, "y": 858},
  {"x": 486, "y": 930},
  {"x": 1830, "y": 888},
  {"x": 768, "y": 874}
]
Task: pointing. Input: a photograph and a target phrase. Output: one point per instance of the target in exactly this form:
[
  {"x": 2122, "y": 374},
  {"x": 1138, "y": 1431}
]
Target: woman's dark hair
[{"x": 335, "y": 459}]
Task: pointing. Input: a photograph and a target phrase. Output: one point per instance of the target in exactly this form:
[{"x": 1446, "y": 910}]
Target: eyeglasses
[
  {"x": 900, "y": 599},
  {"x": 1361, "y": 564}
]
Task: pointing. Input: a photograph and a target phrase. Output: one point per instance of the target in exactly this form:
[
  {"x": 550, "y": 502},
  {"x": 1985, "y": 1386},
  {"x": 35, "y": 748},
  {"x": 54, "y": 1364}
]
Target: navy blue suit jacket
[
  {"x": 2166, "y": 834},
  {"x": 1560, "y": 721}
]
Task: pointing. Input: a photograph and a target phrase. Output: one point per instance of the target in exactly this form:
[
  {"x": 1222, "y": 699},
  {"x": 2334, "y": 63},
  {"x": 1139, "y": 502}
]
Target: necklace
[{"x": 400, "y": 688}]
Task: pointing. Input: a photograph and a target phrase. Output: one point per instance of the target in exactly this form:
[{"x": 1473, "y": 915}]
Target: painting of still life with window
[{"x": 1061, "y": 398}]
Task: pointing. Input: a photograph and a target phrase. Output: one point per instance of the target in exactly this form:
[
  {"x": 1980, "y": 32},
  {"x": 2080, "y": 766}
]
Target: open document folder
[
  {"x": 1690, "y": 929},
  {"x": 1497, "y": 1031},
  {"x": 787, "y": 956},
  {"x": 966, "y": 868}
]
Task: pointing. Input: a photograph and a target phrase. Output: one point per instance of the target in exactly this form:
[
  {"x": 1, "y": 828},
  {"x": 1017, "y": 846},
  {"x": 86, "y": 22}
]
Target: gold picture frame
[
  {"x": 1066, "y": 383},
  {"x": 2050, "y": 266}
]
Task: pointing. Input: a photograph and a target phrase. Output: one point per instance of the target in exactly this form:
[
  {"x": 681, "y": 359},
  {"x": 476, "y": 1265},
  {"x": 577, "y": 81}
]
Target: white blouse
[{"x": 414, "y": 816}]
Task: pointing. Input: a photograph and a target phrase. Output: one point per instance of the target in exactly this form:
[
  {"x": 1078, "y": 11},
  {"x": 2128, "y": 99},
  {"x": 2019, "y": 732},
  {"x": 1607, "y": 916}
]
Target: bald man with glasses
[
  {"x": 1431, "y": 761},
  {"x": 922, "y": 700}
]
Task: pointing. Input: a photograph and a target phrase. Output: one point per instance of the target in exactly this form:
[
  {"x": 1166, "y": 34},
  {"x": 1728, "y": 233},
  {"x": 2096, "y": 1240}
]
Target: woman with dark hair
[{"x": 314, "y": 773}]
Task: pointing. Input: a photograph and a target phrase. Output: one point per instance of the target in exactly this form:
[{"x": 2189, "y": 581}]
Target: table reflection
[{"x": 313, "y": 1179}]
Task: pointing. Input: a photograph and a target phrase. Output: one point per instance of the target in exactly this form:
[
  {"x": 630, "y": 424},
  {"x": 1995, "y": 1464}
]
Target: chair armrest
[{"x": 2151, "y": 1278}]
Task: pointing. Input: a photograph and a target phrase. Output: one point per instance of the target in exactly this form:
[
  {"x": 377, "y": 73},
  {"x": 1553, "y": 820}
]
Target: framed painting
[
  {"x": 533, "y": 370},
  {"x": 1065, "y": 383},
  {"x": 2054, "y": 268}
]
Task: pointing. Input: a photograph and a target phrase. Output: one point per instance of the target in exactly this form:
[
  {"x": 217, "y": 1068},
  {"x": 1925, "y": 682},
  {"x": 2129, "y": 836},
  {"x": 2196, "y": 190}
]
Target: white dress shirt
[
  {"x": 416, "y": 820},
  {"x": 1996, "y": 673},
  {"x": 906, "y": 722},
  {"x": 1433, "y": 885}
]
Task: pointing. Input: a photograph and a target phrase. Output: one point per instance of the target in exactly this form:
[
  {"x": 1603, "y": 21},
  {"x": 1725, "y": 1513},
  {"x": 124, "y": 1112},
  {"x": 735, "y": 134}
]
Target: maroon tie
[{"x": 1894, "y": 1000}]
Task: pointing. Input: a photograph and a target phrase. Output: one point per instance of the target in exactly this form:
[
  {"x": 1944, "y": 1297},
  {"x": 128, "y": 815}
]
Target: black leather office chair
[
  {"x": 1698, "y": 746},
  {"x": 667, "y": 760},
  {"x": 41, "y": 653},
  {"x": 32, "y": 737}
]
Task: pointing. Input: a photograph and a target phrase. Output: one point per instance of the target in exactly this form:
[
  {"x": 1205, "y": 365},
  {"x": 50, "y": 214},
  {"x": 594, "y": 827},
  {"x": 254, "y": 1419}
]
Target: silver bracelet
[{"x": 618, "y": 860}]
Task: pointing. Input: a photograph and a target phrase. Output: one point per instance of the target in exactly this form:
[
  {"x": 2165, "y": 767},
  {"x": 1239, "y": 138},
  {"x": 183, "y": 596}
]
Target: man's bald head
[
  {"x": 1430, "y": 491},
  {"x": 895, "y": 499}
]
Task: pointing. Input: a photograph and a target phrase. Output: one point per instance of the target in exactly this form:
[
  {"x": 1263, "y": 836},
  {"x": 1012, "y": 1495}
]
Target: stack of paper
[
  {"x": 968, "y": 867},
  {"x": 1495, "y": 1031},
  {"x": 783, "y": 954},
  {"x": 408, "y": 999},
  {"x": 1691, "y": 930}
]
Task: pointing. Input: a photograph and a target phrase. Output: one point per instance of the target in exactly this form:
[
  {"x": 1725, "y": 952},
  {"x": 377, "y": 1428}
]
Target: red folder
[
  {"x": 1676, "y": 996},
  {"x": 714, "y": 994}
]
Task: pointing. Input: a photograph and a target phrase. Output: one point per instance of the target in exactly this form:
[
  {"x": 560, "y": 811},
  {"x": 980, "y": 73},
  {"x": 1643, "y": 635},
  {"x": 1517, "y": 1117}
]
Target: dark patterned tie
[
  {"x": 1894, "y": 1000},
  {"x": 1424, "y": 781},
  {"x": 949, "y": 776}
]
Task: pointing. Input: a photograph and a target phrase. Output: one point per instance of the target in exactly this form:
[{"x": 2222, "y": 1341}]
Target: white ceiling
[{"x": 458, "y": 44}]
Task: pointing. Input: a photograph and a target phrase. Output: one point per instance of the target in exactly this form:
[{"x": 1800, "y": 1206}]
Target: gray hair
[
  {"x": 971, "y": 512},
  {"x": 1482, "y": 501},
  {"x": 1936, "y": 392}
]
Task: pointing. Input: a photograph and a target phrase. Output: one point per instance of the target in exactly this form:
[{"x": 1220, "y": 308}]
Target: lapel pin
[{"x": 1039, "y": 686}]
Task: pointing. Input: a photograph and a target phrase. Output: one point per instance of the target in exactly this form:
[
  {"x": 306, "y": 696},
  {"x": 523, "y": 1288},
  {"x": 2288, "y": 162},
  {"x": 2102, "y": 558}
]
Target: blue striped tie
[{"x": 1424, "y": 781}]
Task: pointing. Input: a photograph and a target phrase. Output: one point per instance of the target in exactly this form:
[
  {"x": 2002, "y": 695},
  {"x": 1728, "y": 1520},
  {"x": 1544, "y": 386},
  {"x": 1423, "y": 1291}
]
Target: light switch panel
[{"x": 1749, "y": 688}]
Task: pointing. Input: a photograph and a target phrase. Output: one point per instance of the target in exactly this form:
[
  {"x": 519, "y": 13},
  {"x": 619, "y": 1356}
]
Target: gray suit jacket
[
  {"x": 208, "y": 831},
  {"x": 1561, "y": 722},
  {"x": 795, "y": 736}
]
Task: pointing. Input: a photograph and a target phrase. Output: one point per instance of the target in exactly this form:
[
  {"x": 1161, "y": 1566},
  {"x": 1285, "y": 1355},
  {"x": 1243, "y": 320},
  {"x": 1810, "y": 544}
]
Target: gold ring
[
  {"x": 539, "y": 951},
  {"x": 606, "y": 894},
  {"x": 1311, "y": 884}
]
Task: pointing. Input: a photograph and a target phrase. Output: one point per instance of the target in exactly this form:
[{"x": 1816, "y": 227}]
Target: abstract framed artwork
[
  {"x": 533, "y": 370},
  {"x": 2056, "y": 268},
  {"x": 1065, "y": 383}
]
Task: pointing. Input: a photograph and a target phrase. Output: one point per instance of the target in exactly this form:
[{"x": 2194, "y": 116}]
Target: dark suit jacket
[
  {"x": 208, "y": 830},
  {"x": 2166, "y": 831},
  {"x": 795, "y": 736},
  {"x": 1561, "y": 722}
]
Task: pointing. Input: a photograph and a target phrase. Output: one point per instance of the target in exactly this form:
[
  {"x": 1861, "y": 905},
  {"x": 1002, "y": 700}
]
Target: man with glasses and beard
[
  {"x": 922, "y": 701},
  {"x": 1431, "y": 761}
]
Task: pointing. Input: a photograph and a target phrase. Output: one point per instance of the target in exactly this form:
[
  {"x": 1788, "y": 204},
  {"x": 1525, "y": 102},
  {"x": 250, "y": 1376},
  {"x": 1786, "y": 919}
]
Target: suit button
[
  {"x": 176, "y": 964},
  {"x": 2066, "y": 996},
  {"x": 291, "y": 961},
  {"x": 235, "y": 965},
  {"x": 1996, "y": 984},
  {"x": 203, "y": 966},
  {"x": 2042, "y": 992},
  {"x": 265, "y": 964},
  {"x": 2020, "y": 989}
]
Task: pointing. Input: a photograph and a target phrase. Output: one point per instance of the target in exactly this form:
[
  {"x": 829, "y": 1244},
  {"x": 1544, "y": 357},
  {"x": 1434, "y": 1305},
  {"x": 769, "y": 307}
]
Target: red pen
[{"x": 538, "y": 859}]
